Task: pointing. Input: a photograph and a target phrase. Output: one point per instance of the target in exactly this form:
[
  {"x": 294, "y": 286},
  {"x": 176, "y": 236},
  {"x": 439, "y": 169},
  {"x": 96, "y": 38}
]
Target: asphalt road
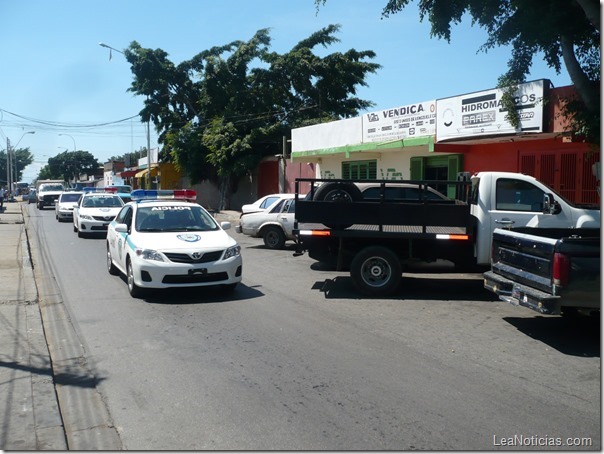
[{"x": 296, "y": 360}]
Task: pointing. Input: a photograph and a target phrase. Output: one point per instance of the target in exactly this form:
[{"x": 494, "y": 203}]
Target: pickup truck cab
[
  {"x": 511, "y": 200},
  {"x": 377, "y": 239}
]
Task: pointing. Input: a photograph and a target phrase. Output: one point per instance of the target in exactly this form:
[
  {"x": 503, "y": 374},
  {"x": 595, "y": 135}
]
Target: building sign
[
  {"x": 415, "y": 120},
  {"x": 481, "y": 113}
]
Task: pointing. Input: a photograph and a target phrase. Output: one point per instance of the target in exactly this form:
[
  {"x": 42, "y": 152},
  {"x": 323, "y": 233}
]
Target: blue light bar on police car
[{"x": 164, "y": 194}]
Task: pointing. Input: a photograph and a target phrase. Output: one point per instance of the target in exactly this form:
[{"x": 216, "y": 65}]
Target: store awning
[
  {"x": 426, "y": 141},
  {"x": 143, "y": 173},
  {"x": 127, "y": 173}
]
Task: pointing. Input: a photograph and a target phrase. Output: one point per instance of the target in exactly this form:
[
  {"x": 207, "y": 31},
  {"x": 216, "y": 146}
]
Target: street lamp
[
  {"x": 148, "y": 126},
  {"x": 74, "y": 145},
  {"x": 9, "y": 164}
]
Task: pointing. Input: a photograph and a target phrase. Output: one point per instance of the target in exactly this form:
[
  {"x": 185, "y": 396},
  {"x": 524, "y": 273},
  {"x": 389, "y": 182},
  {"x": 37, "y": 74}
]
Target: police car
[
  {"x": 163, "y": 239},
  {"x": 95, "y": 210}
]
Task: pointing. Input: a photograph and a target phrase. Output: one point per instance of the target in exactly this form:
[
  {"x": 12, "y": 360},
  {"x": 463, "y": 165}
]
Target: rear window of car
[
  {"x": 268, "y": 202},
  {"x": 70, "y": 197}
]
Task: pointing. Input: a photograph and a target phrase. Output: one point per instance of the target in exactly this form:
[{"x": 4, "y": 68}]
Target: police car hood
[
  {"x": 184, "y": 241},
  {"x": 100, "y": 211}
]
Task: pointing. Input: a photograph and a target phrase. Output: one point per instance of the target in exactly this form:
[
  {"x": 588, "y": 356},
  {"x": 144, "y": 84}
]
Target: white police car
[
  {"x": 164, "y": 239},
  {"x": 95, "y": 210}
]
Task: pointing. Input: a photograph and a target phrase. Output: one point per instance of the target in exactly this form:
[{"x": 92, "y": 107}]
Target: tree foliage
[
  {"x": 564, "y": 31},
  {"x": 219, "y": 113},
  {"x": 23, "y": 158},
  {"x": 69, "y": 165}
]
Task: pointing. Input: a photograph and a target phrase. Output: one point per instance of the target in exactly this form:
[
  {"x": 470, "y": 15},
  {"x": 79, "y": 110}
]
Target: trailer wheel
[
  {"x": 376, "y": 271},
  {"x": 338, "y": 192}
]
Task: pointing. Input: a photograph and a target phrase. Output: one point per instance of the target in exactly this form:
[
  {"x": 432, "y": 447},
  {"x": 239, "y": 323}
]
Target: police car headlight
[
  {"x": 149, "y": 254},
  {"x": 87, "y": 217},
  {"x": 233, "y": 251}
]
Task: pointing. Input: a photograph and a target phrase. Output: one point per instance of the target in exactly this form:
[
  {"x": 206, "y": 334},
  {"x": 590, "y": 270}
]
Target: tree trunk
[
  {"x": 582, "y": 84},
  {"x": 225, "y": 193},
  {"x": 591, "y": 8}
]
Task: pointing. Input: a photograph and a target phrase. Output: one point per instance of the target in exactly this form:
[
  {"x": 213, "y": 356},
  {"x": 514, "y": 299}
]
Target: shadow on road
[
  {"x": 201, "y": 295},
  {"x": 414, "y": 287},
  {"x": 578, "y": 336}
]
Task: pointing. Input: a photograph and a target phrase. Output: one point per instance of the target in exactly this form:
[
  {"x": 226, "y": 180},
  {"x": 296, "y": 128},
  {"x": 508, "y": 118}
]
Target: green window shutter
[
  {"x": 455, "y": 165},
  {"x": 417, "y": 168},
  {"x": 359, "y": 170}
]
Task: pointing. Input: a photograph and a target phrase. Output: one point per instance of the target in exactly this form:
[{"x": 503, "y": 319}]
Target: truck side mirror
[{"x": 550, "y": 206}]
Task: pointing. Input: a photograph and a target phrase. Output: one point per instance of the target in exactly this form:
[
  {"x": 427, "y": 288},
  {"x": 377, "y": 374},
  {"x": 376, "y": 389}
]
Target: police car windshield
[
  {"x": 102, "y": 201},
  {"x": 173, "y": 218}
]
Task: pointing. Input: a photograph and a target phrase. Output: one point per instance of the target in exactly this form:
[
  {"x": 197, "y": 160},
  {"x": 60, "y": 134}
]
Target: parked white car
[
  {"x": 94, "y": 212},
  {"x": 164, "y": 239},
  {"x": 273, "y": 225},
  {"x": 65, "y": 204},
  {"x": 264, "y": 203}
]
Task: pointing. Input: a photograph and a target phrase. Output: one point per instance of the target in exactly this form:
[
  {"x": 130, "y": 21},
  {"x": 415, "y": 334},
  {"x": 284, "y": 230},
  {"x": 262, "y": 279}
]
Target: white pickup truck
[
  {"x": 375, "y": 239},
  {"x": 48, "y": 191}
]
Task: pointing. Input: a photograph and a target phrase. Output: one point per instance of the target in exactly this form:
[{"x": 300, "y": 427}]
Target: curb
[{"x": 86, "y": 419}]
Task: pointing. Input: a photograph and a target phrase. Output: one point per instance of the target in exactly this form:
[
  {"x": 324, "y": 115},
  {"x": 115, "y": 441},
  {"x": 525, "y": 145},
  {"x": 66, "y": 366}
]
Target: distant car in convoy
[
  {"x": 163, "y": 239},
  {"x": 94, "y": 212},
  {"x": 32, "y": 197},
  {"x": 264, "y": 203},
  {"x": 274, "y": 225},
  {"x": 123, "y": 190},
  {"x": 65, "y": 204}
]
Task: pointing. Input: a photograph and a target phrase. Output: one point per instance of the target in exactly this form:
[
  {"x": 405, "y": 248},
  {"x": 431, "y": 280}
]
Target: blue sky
[{"x": 56, "y": 79}]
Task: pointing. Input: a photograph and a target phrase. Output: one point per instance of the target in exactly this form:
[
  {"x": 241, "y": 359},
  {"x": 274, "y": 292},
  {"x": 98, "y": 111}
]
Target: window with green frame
[
  {"x": 359, "y": 170},
  {"x": 452, "y": 162}
]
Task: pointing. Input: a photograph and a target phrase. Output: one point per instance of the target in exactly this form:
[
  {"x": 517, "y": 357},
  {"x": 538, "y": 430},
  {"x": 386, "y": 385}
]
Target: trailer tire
[
  {"x": 338, "y": 192},
  {"x": 376, "y": 271}
]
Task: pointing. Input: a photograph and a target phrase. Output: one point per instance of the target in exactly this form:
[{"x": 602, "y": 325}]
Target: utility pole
[{"x": 8, "y": 163}]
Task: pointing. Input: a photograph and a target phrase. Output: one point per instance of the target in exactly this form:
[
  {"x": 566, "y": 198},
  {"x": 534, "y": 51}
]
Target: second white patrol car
[
  {"x": 94, "y": 211},
  {"x": 163, "y": 239}
]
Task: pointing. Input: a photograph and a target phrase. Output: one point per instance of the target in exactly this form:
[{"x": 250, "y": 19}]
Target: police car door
[{"x": 117, "y": 242}]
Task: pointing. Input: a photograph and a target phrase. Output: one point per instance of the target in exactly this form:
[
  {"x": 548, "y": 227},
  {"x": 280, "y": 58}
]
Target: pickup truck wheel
[
  {"x": 135, "y": 290},
  {"x": 110, "y": 266},
  {"x": 40, "y": 205},
  {"x": 273, "y": 237},
  {"x": 376, "y": 271}
]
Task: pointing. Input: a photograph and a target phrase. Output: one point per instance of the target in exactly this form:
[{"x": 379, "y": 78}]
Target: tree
[
  {"x": 220, "y": 113},
  {"x": 563, "y": 30},
  {"x": 22, "y": 157},
  {"x": 69, "y": 165}
]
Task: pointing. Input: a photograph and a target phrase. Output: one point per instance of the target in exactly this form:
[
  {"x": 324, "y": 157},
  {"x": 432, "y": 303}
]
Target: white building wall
[
  {"x": 394, "y": 164},
  {"x": 328, "y": 135}
]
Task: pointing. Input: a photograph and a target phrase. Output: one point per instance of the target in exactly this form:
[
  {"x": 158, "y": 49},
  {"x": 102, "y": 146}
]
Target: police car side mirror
[
  {"x": 121, "y": 228},
  {"x": 226, "y": 225}
]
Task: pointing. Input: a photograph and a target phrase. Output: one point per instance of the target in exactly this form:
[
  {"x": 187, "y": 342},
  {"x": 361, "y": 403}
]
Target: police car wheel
[
  {"x": 110, "y": 266},
  {"x": 135, "y": 290}
]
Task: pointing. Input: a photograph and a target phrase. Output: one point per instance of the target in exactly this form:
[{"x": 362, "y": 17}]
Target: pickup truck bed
[{"x": 548, "y": 270}]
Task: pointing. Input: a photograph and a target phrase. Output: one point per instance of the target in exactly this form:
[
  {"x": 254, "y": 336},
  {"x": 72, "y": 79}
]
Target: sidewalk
[{"x": 30, "y": 416}]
